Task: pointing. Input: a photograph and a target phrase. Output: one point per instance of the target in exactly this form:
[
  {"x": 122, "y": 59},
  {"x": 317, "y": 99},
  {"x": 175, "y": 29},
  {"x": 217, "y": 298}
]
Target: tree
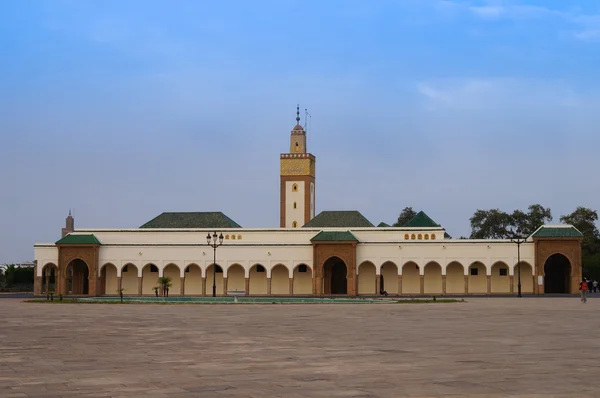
[
  {"x": 584, "y": 219},
  {"x": 405, "y": 216},
  {"x": 165, "y": 284},
  {"x": 497, "y": 224}
]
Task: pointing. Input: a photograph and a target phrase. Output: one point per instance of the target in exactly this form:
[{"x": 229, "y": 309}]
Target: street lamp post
[
  {"x": 214, "y": 241},
  {"x": 518, "y": 241}
]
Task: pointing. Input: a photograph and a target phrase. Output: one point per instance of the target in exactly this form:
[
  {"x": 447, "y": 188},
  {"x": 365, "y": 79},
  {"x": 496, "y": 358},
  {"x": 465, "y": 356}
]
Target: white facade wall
[
  {"x": 290, "y": 247},
  {"x": 294, "y": 214}
]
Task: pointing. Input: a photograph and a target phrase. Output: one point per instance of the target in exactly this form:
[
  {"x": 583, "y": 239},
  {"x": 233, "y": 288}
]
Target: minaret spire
[{"x": 298, "y": 114}]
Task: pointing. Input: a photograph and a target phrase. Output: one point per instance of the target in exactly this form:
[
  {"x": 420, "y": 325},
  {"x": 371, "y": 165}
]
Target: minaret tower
[{"x": 297, "y": 202}]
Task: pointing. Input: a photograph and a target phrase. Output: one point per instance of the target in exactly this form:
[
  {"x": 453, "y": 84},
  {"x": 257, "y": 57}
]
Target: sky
[{"x": 120, "y": 110}]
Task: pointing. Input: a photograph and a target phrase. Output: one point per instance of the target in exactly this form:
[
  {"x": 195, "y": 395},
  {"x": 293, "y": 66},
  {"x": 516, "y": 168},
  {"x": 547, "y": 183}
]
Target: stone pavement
[{"x": 505, "y": 347}]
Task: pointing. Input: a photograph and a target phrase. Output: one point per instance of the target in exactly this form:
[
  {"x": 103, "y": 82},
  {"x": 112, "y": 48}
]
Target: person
[
  {"x": 595, "y": 286},
  {"x": 583, "y": 287}
]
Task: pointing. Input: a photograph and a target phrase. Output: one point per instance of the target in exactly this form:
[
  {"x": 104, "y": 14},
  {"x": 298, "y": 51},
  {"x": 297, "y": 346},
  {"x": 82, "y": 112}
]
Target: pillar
[
  {"x": 140, "y": 285},
  {"x": 268, "y": 286},
  {"x": 224, "y": 286},
  {"x": 119, "y": 284},
  {"x": 466, "y": 284},
  {"x": 422, "y": 290},
  {"x": 489, "y": 284},
  {"x": 204, "y": 286},
  {"x": 444, "y": 285},
  {"x": 182, "y": 288},
  {"x": 377, "y": 284},
  {"x": 247, "y": 286},
  {"x": 399, "y": 285},
  {"x": 291, "y": 286},
  {"x": 512, "y": 283}
]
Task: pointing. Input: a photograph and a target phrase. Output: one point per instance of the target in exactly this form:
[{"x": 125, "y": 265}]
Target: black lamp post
[
  {"x": 519, "y": 241},
  {"x": 214, "y": 241}
]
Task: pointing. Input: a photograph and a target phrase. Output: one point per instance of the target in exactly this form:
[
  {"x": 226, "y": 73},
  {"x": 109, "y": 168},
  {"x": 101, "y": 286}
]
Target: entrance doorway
[
  {"x": 557, "y": 271},
  {"x": 334, "y": 276},
  {"x": 78, "y": 277}
]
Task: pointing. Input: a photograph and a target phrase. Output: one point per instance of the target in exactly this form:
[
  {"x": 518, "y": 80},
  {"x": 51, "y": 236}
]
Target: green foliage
[
  {"x": 497, "y": 224},
  {"x": 584, "y": 220},
  {"x": 165, "y": 284},
  {"x": 405, "y": 216},
  {"x": 11, "y": 275}
]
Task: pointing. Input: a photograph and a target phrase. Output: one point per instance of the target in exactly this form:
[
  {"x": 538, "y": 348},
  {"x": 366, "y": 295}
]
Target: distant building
[{"x": 332, "y": 253}]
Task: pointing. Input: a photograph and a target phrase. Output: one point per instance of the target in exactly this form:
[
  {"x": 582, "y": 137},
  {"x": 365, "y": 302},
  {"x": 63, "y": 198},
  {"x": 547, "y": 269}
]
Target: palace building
[{"x": 332, "y": 253}]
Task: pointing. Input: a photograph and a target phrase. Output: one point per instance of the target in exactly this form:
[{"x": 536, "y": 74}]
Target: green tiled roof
[
  {"x": 421, "y": 220},
  {"x": 214, "y": 219},
  {"x": 334, "y": 236},
  {"x": 447, "y": 235},
  {"x": 383, "y": 225},
  {"x": 557, "y": 231},
  {"x": 339, "y": 219},
  {"x": 89, "y": 239}
]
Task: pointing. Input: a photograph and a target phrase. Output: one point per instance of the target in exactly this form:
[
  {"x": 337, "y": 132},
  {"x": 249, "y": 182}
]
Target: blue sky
[{"x": 123, "y": 109}]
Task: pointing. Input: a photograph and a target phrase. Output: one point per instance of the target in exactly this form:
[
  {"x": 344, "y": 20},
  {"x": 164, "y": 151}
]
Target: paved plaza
[{"x": 486, "y": 347}]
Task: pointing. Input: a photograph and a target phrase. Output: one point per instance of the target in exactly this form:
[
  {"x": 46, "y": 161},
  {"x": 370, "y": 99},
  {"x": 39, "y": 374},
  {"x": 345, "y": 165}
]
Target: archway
[
  {"x": 193, "y": 280},
  {"x": 477, "y": 278},
  {"x": 334, "y": 276},
  {"x": 280, "y": 280},
  {"x": 236, "y": 280},
  {"x": 455, "y": 278},
  {"x": 500, "y": 278},
  {"x": 432, "y": 278},
  {"x": 149, "y": 279},
  {"x": 526, "y": 278},
  {"x": 109, "y": 278},
  {"x": 302, "y": 279},
  {"x": 49, "y": 278},
  {"x": 172, "y": 271},
  {"x": 557, "y": 274},
  {"x": 78, "y": 275},
  {"x": 389, "y": 278},
  {"x": 129, "y": 279},
  {"x": 367, "y": 279},
  {"x": 218, "y": 281},
  {"x": 411, "y": 278},
  {"x": 258, "y": 280}
]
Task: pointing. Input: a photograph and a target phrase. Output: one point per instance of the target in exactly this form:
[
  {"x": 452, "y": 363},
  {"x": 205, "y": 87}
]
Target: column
[
  {"x": 444, "y": 285},
  {"x": 224, "y": 286},
  {"x": 291, "y": 286},
  {"x": 140, "y": 285},
  {"x": 182, "y": 288},
  {"x": 204, "y": 286},
  {"x": 399, "y": 285},
  {"x": 512, "y": 283},
  {"x": 120, "y": 283},
  {"x": 489, "y": 284},
  {"x": 268, "y": 286},
  {"x": 377, "y": 284},
  {"x": 247, "y": 286},
  {"x": 466, "y": 284},
  {"x": 422, "y": 290}
]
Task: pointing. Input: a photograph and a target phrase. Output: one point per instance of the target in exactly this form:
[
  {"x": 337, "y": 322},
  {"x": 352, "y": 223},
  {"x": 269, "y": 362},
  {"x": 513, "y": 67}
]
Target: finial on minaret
[
  {"x": 69, "y": 211},
  {"x": 298, "y": 114}
]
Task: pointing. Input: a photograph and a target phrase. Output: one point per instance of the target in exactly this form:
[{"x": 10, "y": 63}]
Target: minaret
[
  {"x": 69, "y": 225},
  {"x": 297, "y": 201}
]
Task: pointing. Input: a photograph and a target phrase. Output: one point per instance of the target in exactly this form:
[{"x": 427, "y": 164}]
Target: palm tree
[{"x": 165, "y": 284}]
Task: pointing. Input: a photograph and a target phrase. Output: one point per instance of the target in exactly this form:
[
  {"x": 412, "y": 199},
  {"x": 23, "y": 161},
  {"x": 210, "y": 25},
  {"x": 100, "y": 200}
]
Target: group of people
[{"x": 586, "y": 286}]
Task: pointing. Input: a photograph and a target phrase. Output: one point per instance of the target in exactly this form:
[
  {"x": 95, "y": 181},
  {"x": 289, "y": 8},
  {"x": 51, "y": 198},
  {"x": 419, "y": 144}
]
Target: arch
[
  {"x": 129, "y": 279},
  {"x": 108, "y": 277},
  {"x": 218, "y": 281},
  {"x": 367, "y": 278},
  {"x": 335, "y": 276},
  {"x": 389, "y": 277},
  {"x": 413, "y": 237},
  {"x": 500, "y": 278},
  {"x": 406, "y": 237},
  {"x": 49, "y": 273},
  {"x": 258, "y": 280},
  {"x": 149, "y": 279},
  {"x": 432, "y": 236},
  {"x": 302, "y": 283},
  {"x": 411, "y": 279},
  {"x": 526, "y": 277},
  {"x": 294, "y": 224},
  {"x": 455, "y": 278},
  {"x": 172, "y": 271},
  {"x": 77, "y": 277},
  {"x": 192, "y": 280},
  {"x": 432, "y": 278},
  {"x": 295, "y": 188},
  {"x": 477, "y": 278},
  {"x": 236, "y": 278},
  {"x": 280, "y": 280},
  {"x": 426, "y": 237},
  {"x": 557, "y": 274},
  {"x": 419, "y": 237}
]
